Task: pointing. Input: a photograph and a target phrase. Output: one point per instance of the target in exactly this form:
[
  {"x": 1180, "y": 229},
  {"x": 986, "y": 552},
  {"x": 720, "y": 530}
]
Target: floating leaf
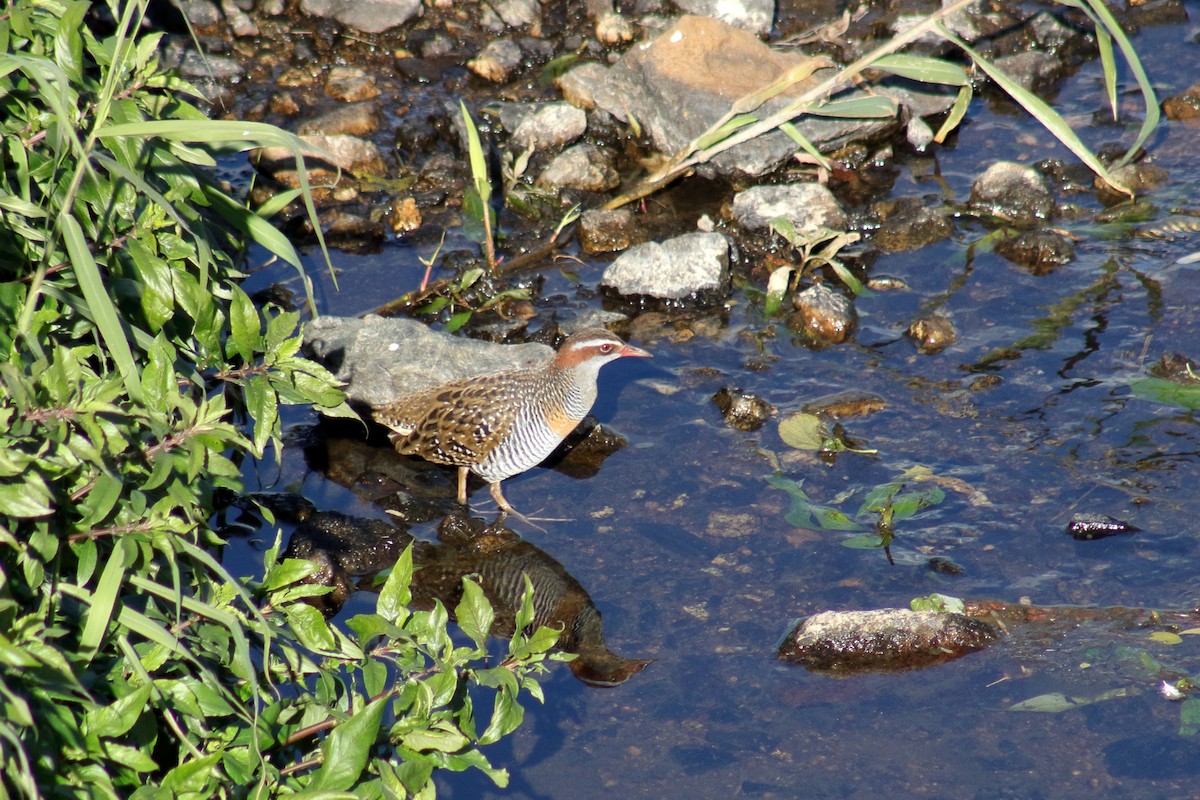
[
  {"x": 803, "y": 431},
  {"x": 938, "y": 602},
  {"x": 1166, "y": 637},
  {"x": 1167, "y": 392},
  {"x": 1056, "y": 702}
]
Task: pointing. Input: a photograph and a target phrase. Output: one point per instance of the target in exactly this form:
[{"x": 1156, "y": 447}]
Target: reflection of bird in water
[
  {"x": 346, "y": 547},
  {"x": 502, "y": 424}
]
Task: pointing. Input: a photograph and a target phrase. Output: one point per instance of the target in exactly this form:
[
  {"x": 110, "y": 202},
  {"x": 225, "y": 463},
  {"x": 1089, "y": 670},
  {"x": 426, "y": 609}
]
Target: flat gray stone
[
  {"x": 550, "y": 127},
  {"x": 676, "y": 269},
  {"x": 808, "y": 206},
  {"x": 383, "y": 359}
]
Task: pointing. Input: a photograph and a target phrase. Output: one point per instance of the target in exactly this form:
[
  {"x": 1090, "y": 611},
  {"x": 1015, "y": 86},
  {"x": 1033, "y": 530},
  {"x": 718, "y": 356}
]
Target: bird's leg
[
  {"x": 462, "y": 485},
  {"x": 498, "y": 496}
]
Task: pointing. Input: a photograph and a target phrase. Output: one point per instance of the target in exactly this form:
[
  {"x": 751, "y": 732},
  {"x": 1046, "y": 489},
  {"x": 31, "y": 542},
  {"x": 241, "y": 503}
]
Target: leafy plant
[
  {"x": 135, "y": 376},
  {"x": 816, "y": 249},
  {"x": 888, "y": 500},
  {"x": 458, "y": 295}
]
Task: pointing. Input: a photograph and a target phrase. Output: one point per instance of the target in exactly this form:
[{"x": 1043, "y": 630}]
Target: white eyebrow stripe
[{"x": 592, "y": 342}]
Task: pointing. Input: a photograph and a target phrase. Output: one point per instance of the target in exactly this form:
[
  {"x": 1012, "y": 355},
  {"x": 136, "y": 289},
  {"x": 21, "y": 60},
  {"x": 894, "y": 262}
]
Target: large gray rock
[
  {"x": 686, "y": 267},
  {"x": 368, "y": 16},
  {"x": 886, "y": 639},
  {"x": 382, "y": 359},
  {"x": 683, "y": 82}
]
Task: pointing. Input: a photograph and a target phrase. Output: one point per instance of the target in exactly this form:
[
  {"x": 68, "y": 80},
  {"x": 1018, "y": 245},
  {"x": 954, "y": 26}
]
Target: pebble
[{"x": 1017, "y": 194}]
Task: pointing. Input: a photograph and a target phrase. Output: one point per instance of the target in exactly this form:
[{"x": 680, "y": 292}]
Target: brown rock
[{"x": 933, "y": 333}]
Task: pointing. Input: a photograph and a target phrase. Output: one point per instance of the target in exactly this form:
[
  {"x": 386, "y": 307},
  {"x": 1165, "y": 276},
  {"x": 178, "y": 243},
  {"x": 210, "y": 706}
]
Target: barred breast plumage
[{"x": 502, "y": 424}]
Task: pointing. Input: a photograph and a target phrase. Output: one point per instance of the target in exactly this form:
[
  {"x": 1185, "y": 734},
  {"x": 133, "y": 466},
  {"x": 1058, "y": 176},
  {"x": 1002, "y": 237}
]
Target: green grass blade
[
  {"x": 799, "y": 138},
  {"x": 1109, "y": 67},
  {"x": 872, "y": 107},
  {"x": 923, "y": 68},
  {"x": 957, "y": 112},
  {"x": 475, "y": 153},
  {"x": 1104, "y": 19}
]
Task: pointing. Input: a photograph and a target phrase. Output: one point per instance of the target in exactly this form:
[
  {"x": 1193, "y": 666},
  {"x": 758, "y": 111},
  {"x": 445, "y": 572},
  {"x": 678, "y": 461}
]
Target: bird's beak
[{"x": 636, "y": 352}]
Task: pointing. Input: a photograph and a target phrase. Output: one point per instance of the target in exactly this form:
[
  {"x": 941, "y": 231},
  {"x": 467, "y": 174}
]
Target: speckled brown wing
[{"x": 458, "y": 423}]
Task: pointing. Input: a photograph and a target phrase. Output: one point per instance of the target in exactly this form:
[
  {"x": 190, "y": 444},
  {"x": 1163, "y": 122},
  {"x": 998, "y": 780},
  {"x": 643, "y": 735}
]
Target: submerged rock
[
  {"x": 1017, "y": 194},
  {"x": 1185, "y": 105},
  {"x": 932, "y": 333},
  {"x": 692, "y": 266},
  {"x": 823, "y": 315},
  {"x": 883, "y": 640},
  {"x": 609, "y": 231},
  {"x": 1177, "y": 368},
  {"x": 1138, "y": 178},
  {"x": 906, "y": 224},
  {"x": 382, "y": 359},
  {"x": 744, "y": 411},
  {"x": 1086, "y": 526},
  {"x": 1040, "y": 252}
]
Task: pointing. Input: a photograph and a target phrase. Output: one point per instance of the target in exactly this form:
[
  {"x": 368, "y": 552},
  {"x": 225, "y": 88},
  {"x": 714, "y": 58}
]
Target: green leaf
[
  {"x": 474, "y": 613},
  {"x": 1057, "y": 702},
  {"x": 507, "y": 715},
  {"x": 346, "y": 749},
  {"x": 445, "y": 741},
  {"x": 27, "y": 499},
  {"x": 310, "y": 627},
  {"x": 923, "y": 68},
  {"x": 1167, "y": 392},
  {"x": 479, "y": 174},
  {"x": 104, "y": 599},
  {"x": 803, "y": 431},
  {"x": 244, "y": 326},
  {"x": 872, "y": 107},
  {"x": 115, "y": 720},
  {"x": 938, "y": 602},
  {"x": 395, "y": 595},
  {"x": 1189, "y": 717},
  {"x": 99, "y": 306}
]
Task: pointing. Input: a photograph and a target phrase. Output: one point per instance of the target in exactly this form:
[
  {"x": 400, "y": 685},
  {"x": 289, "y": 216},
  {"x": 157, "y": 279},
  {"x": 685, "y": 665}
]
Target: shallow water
[{"x": 683, "y": 545}]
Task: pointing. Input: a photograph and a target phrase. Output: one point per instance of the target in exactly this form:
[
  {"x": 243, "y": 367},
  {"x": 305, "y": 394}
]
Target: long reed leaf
[
  {"x": 99, "y": 305},
  {"x": 103, "y": 601}
]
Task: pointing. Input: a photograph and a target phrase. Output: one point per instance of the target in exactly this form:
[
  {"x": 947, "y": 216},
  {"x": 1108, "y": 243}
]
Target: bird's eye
[{"x": 606, "y": 348}]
